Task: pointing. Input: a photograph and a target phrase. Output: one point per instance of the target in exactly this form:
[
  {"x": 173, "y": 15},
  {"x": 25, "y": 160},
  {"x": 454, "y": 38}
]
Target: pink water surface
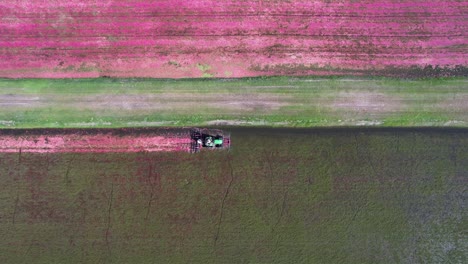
[{"x": 227, "y": 38}]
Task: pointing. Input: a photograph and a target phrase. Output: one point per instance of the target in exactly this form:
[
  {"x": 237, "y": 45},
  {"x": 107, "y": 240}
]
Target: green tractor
[{"x": 209, "y": 139}]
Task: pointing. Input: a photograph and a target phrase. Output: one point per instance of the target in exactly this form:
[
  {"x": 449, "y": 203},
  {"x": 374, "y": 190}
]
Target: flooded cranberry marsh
[
  {"x": 94, "y": 140},
  {"x": 277, "y": 196}
]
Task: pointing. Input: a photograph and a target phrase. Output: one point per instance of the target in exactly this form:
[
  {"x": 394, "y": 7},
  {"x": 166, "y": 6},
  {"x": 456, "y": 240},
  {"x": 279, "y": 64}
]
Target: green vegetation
[
  {"x": 266, "y": 101},
  {"x": 279, "y": 196}
]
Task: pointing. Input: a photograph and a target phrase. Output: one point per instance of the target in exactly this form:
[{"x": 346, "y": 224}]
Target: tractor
[{"x": 208, "y": 139}]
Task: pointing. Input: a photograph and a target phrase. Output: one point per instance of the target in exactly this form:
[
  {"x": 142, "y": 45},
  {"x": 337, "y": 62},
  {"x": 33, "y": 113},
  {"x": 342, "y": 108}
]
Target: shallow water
[{"x": 279, "y": 195}]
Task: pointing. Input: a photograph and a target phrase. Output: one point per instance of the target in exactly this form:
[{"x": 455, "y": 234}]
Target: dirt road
[{"x": 304, "y": 102}]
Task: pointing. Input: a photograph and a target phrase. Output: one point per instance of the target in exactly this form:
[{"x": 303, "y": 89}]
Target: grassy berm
[
  {"x": 265, "y": 101},
  {"x": 278, "y": 196}
]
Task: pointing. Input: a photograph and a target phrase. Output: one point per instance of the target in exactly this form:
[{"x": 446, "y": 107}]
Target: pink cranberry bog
[{"x": 205, "y": 38}]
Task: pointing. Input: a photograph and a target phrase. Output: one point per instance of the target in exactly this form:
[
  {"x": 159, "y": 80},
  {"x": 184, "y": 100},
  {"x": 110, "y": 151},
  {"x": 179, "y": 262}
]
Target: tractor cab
[{"x": 212, "y": 141}]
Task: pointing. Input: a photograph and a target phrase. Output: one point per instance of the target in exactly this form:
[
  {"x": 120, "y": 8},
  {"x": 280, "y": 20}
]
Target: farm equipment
[{"x": 208, "y": 139}]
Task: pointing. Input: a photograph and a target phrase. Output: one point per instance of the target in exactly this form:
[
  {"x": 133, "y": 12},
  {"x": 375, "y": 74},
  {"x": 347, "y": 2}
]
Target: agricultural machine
[{"x": 209, "y": 139}]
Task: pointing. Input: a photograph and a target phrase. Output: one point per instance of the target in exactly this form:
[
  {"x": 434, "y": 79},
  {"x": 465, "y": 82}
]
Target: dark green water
[{"x": 279, "y": 196}]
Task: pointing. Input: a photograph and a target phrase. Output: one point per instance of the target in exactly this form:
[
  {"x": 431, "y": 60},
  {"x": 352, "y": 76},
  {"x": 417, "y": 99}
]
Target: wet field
[
  {"x": 94, "y": 140},
  {"x": 278, "y": 196}
]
